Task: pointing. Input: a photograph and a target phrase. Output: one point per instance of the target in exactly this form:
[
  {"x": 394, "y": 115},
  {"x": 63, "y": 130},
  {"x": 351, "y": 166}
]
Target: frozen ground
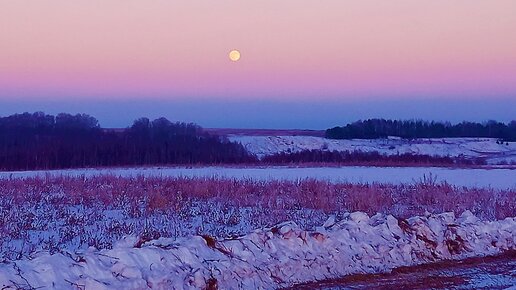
[
  {"x": 497, "y": 272},
  {"x": 495, "y": 178},
  {"x": 454, "y": 147},
  {"x": 268, "y": 258}
]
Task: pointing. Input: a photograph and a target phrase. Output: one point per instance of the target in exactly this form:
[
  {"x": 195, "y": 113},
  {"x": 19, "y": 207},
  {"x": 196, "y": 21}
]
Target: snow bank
[{"x": 269, "y": 258}]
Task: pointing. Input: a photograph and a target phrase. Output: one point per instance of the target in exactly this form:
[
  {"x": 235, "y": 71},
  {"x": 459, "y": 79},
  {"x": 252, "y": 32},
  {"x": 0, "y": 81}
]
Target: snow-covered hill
[
  {"x": 467, "y": 147},
  {"x": 269, "y": 258}
]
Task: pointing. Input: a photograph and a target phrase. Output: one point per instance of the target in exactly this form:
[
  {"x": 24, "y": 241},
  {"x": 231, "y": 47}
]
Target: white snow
[
  {"x": 478, "y": 177},
  {"x": 454, "y": 147},
  {"x": 268, "y": 258}
]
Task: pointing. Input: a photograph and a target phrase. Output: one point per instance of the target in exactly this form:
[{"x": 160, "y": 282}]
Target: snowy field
[
  {"x": 494, "y": 178},
  {"x": 243, "y": 228},
  {"x": 454, "y": 147}
]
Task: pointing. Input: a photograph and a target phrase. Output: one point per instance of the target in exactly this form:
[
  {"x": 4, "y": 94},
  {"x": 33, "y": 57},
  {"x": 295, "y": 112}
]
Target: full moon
[{"x": 234, "y": 55}]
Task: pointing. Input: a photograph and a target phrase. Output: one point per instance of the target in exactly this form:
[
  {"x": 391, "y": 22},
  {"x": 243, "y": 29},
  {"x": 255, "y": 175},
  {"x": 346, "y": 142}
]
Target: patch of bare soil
[{"x": 497, "y": 272}]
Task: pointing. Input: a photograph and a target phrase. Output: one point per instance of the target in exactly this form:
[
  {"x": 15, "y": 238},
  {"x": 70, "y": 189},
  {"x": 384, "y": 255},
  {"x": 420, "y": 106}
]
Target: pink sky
[{"x": 291, "y": 49}]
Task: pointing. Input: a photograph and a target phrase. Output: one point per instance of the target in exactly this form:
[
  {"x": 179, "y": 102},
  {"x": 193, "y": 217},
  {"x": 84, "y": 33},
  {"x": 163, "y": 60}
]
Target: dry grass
[{"x": 74, "y": 212}]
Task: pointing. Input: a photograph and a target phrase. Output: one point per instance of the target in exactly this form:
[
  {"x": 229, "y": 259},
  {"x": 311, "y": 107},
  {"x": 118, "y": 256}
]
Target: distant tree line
[
  {"x": 41, "y": 141},
  {"x": 381, "y": 128},
  {"x": 367, "y": 158}
]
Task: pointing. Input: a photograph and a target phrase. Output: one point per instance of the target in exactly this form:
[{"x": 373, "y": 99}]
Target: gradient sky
[{"x": 391, "y": 55}]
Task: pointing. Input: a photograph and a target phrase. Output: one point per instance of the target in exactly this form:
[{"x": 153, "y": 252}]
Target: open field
[
  {"x": 241, "y": 227},
  {"x": 53, "y": 213},
  {"x": 494, "y": 178},
  {"x": 269, "y": 258}
]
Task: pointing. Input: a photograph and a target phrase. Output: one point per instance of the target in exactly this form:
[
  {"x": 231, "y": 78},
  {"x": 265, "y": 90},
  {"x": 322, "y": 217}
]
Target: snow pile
[
  {"x": 455, "y": 147},
  {"x": 269, "y": 258}
]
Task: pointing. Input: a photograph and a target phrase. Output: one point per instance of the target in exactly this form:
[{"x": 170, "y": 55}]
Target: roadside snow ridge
[{"x": 267, "y": 258}]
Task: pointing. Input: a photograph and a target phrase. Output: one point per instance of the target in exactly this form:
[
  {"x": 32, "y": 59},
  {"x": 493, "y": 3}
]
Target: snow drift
[{"x": 268, "y": 258}]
